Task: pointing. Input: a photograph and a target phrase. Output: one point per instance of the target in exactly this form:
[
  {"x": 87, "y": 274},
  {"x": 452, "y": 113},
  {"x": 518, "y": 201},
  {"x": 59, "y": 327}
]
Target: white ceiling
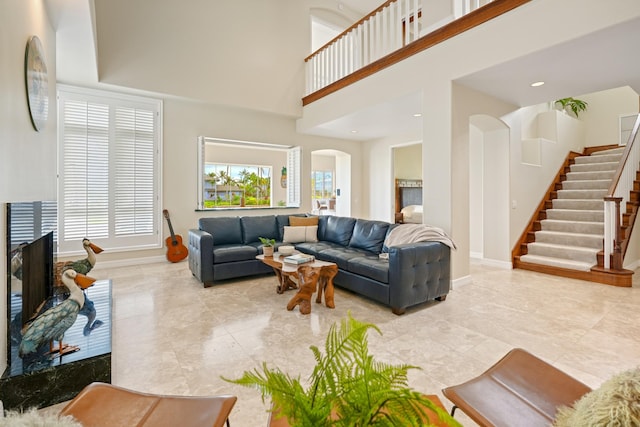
[{"x": 598, "y": 61}]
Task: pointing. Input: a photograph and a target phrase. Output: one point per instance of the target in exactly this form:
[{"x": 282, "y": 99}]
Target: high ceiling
[{"x": 601, "y": 60}]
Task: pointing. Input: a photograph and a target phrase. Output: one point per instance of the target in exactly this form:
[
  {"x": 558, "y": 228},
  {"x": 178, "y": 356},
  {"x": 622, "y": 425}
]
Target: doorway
[
  {"x": 489, "y": 190},
  {"x": 330, "y": 183}
]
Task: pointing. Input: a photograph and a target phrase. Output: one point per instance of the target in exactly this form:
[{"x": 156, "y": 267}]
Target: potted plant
[
  {"x": 575, "y": 105},
  {"x": 267, "y": 245},
  {"x": 347, "y": 387}
]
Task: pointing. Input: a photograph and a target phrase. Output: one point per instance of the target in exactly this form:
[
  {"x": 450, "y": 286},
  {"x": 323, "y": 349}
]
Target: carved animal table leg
[
  {"x": 325, "y": 283},
  {"x": 308, "y": 280}
]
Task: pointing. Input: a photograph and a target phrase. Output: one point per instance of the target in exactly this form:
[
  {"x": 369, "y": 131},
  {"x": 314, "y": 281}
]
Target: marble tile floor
[{"x": 172, "y": 336}]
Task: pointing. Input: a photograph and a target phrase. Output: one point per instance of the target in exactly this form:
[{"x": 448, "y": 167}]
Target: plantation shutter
[
  {"x": 32, "y": 220},
  {"x": 109, "y": 170},
  {"x": 293, "y": 176}
]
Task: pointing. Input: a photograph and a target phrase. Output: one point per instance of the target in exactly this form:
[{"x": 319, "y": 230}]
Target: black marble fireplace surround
[{"x": 40, "y": 379}]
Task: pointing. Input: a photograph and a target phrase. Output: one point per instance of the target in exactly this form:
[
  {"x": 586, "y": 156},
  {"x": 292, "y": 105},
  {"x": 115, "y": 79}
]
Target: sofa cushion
[
  {"x": 336, "y": 229},
  {"x": 300, "y": 234},
  {"x": 315, "y": 248},
  {"x": 370, "y": 266},
  {"x": 254, "y": 227},
  {"x": 233, "y": 252},
  {"x": 302, "y": 221},
  {"x": 340, "y": 255},
  {"x": 369, "y": 235},
  {"x": 225, "y": 230}
]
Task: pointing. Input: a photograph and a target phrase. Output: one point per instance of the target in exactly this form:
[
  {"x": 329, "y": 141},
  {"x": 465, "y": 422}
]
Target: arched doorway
[{"x": 489, "y": 190}]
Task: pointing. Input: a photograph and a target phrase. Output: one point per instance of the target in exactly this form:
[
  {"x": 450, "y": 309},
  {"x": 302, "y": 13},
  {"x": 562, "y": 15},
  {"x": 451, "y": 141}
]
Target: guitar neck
[{"x": 173, "y": 235}]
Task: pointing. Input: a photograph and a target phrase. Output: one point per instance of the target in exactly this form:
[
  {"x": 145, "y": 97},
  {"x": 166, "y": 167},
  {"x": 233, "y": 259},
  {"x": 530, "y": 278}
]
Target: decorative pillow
[
  {"x": 300, "y": 234},
  {"x": 301, "y": 221},
  {"x": 615, "y": 403}
]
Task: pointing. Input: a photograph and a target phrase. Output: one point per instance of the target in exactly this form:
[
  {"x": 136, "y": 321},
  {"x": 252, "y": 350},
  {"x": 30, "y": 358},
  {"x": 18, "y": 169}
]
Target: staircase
[{"x": 567, "y": 234}]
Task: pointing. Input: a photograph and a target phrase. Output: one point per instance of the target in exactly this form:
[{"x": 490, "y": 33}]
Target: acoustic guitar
[{"x": 176, "y": 251}]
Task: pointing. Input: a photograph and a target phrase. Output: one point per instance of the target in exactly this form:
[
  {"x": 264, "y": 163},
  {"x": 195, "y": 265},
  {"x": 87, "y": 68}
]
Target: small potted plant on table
[{"x": 267, "y": 245}]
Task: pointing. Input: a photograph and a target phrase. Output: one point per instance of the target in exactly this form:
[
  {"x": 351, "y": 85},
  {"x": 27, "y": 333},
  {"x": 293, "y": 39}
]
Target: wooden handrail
[
  {"x": 471, "y": 20},
  {"x": 625, "y": 156}
]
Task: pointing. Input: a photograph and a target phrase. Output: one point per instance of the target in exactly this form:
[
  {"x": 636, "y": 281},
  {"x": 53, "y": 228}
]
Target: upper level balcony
[{"x": 394, "y": 31}]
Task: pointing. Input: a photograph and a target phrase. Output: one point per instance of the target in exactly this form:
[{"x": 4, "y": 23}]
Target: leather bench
[
  {"x": 519, "y": 390},
  {"x": 102, "y": 405}
]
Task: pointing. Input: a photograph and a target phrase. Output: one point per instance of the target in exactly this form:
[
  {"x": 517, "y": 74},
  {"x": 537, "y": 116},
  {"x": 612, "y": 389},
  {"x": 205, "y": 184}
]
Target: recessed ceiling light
[
  {"x": 354, "y": 131},
  {"x": 536, "y": 84},
  {"x": 417, "y": 115}
]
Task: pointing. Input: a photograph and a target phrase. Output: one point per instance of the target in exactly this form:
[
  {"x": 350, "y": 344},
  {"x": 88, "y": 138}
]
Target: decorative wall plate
[{"x": 37, "y": 83}]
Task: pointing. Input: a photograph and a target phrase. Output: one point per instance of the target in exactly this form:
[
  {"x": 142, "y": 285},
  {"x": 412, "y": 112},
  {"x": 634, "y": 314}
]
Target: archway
[{"x": 489, "y": 190}]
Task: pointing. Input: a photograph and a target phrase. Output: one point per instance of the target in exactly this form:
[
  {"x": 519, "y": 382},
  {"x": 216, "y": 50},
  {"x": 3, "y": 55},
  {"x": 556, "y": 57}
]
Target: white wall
[
  {"x": 27, "y": 163},
  {"x": 603, "y": 111},
  {"x": 262, "y": 68},
  {"x": 28, "y": 160},
  {"x": 407, "y": 162}
]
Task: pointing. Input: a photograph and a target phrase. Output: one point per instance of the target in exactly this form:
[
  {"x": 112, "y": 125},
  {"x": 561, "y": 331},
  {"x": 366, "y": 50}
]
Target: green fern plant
[
  {"x": 347, "y": 386},
  {"x": 575, "y": 105}
]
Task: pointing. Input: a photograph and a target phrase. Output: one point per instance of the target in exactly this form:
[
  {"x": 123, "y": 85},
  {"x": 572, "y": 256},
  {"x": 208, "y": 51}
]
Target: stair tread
[
  {"x": 556, "y": 262},
  {"x": 563, "y": 233},
  {"x": 566, "y": 247},
  {"x": 572, "y": 220}
]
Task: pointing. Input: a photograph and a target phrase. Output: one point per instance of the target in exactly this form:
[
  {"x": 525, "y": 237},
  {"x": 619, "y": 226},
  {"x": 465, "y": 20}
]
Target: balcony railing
[
  {"x": 373, "y": 42},
  {"x": 617, "y": 196}
]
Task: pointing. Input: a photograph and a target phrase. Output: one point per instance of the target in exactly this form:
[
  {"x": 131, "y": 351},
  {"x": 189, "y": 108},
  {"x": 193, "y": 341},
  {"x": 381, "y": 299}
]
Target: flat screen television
[{"x": 37, "y": 274}]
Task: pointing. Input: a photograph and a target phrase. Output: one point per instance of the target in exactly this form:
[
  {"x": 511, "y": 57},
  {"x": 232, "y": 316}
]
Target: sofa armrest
[
  {"x": 201, "y": 255},
  {"x": 418, "y": 272}
]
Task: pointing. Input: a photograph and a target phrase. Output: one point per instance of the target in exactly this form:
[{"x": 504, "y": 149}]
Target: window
[
  {"x": 322, "y": 184},
  {"x": 237, "y": 185},
  {"x": 266, "y": 174},
  {"x": 109, "y": 149}
]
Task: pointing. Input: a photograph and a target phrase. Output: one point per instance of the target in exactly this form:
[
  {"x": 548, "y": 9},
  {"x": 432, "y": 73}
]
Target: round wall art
[{"x": 35, "y": 68}]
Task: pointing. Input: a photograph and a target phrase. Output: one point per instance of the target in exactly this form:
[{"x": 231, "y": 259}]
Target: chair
[
  {"x": 519, "y": 390},
  {"x": 100, "y": 404}
]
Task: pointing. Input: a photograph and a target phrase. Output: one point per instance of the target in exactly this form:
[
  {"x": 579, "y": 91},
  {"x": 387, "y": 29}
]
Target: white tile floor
[{"x": 171, "y": 335}]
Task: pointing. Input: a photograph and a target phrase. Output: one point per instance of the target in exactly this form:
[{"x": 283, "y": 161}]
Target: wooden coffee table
[{"x": 312, "y": 276}]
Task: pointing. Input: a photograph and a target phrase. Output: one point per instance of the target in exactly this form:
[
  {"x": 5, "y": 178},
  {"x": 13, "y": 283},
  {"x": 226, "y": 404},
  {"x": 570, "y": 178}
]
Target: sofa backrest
[
  {"x": 336, "y": 229},
  {"x": 254, "y": 227},
  {"x": 225, "y": 230},
  {"x": 369, "y": 235}
]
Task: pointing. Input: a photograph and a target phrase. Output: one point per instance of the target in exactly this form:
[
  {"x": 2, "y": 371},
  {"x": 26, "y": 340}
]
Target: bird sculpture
[
  {"x": 53, "y": 323},
  {"x": 83, "y": 266}
]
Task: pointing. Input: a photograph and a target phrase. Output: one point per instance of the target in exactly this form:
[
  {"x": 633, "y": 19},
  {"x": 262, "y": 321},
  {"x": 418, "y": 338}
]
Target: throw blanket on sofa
[{"x": 412, "y": 233}]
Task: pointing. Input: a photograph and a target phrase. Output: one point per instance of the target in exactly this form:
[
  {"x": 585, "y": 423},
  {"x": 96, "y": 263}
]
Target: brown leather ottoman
[
  {"x": 101, "y": 404},
  {"x": 519, "y": 390}
]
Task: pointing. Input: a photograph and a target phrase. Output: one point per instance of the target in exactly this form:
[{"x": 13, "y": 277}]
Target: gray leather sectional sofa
[{"x": 225, "y": 247}]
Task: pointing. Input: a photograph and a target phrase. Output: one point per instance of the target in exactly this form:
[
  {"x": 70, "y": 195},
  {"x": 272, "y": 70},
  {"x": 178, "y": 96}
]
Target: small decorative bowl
[{"x": 286, "y": 250}]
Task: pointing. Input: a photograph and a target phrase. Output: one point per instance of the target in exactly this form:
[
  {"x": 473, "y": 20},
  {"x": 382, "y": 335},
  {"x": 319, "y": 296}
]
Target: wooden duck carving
[{"x": 53, "y": 323}]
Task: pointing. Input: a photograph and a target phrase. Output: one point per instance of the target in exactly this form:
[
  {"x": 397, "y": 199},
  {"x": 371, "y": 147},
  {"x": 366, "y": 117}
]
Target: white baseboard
[
  {"x": 634, "y": 265},
  {"x": 506, "y": 265},
  {"x": 459, "y": 282},
  {"x": 476, "y": 255},
  {"x": 131, "y": 262}
]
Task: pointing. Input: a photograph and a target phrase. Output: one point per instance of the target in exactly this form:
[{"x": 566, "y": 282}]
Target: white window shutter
[
  {"x": 109, "y": 170},
  {"x": 294, "y": 156}
]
